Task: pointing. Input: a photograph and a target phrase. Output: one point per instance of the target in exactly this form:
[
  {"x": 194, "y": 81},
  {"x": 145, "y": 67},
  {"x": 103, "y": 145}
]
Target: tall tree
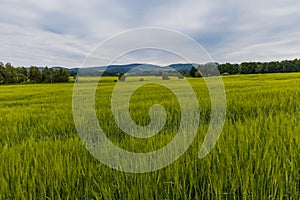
[
  {"x": 61, "y": 76},
  {"x": 11, "y": 76},
  {"x": 46, "y": 75},
  {"x": 21, "y": 74},
  {"x": 35, "y": 75},
  {"x": 121, "y": 76},
  {"x": 2, "y": 73},
  {"x": 193, "y": 72}
]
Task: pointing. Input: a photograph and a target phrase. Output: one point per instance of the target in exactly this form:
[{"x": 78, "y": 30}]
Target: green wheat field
[{"x": 256, "y": 157}]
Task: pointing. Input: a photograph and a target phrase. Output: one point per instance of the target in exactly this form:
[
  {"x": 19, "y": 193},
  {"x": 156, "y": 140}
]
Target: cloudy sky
[{"x": 63, "y": 32}]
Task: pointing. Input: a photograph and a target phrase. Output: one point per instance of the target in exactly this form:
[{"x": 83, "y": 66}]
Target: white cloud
[{"x": 63, "y": 32}]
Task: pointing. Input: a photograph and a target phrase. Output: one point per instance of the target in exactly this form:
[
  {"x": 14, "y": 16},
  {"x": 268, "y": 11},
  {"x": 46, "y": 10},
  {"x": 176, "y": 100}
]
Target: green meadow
[{"x": 256, "y": 157}]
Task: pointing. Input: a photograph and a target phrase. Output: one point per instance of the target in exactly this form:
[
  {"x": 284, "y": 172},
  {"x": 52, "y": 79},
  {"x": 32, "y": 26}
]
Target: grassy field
[{"x": 256, "y": 157}]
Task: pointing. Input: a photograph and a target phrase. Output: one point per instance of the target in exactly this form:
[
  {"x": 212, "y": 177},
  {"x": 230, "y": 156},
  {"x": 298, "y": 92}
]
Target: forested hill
[
  {"x": 189, "y": 69},
  {"x": 227, "y": 68}
]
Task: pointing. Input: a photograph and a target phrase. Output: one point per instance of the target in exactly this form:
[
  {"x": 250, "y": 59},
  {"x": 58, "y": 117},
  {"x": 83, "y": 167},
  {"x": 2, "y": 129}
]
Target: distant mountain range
[{"x": 134, "y": 68}]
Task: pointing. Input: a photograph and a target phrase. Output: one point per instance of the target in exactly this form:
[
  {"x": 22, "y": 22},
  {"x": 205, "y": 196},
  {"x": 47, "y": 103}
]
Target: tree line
[
  {"x": 260, "y": 67},
  {"x": 10, "y": 74}
]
